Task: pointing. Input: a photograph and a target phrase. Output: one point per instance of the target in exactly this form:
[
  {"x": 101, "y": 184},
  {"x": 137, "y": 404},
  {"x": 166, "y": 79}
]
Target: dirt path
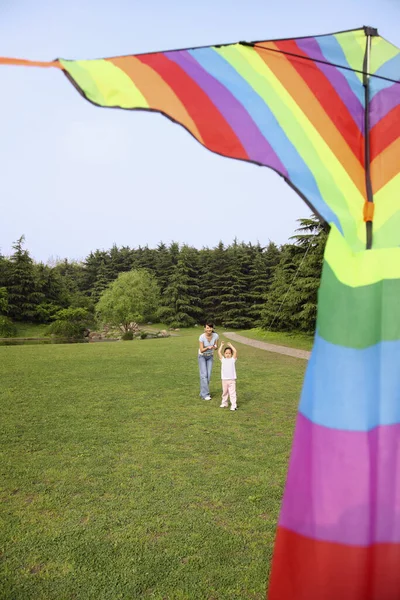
[{"x": 269, "y": 347}]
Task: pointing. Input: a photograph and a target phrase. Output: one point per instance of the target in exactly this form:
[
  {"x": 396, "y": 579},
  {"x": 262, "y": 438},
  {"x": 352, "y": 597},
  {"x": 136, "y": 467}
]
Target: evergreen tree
[
  {"x": 180, "y": 300},
  {"x": 22, "y": 286},
  {"x": 104, "y": 277},
  {"x": 214, "y": 281},
  {"x": 145, "y": 258},
  {"x": 54, "y": 295},
  {"x": 262, "y": 268},
  {"x": 235, "y": 297},
  {"x": 164, "y": 264},
  {"x": 292, "y": 298},
  {"x": 91, "y": 268},
  {"x": 312, "y": 237},
  {"x": 3, "y": 301},
  {"x": 121, "y": 261},
  {"x": 278, "y": 309},
  {"x": 4, "y": 271},
  {"x": 73, "y": 277}
]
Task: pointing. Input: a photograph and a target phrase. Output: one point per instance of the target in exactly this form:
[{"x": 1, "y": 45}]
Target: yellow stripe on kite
[
  {"x": 337, "y": 188},
  {"x": 105, "y": 84},
  {"x": 381, "y": 52},
  {"x": 366, "y": 267}
]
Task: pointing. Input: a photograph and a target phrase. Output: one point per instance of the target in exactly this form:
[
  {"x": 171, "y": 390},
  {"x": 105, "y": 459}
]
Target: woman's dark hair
[{"x": 209, "y": 323}]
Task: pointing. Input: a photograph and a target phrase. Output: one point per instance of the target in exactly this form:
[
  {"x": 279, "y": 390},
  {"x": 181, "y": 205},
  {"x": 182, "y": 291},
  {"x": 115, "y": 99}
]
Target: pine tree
[
  {"x": 235, "y": 297},
  {"x": 292, "y": 298},
  {"x": 180, "y": 300},
  {"x": 22, "y": 286},
  {"x": 73, "y": 276},
  {"x": 54, "y": 294},
  {"x": 312, "y": 237},
  {"x": 214, "y": 280},
  {"x": 278, "y": 309},
  {"x": 104, "y": 277},
  {"x": 120, "y": 260},
  {"x": 262, "y": 269},
  {"x": 91, "y": 266},
  {"x": 4, "y": 270},
  {"x": 145, "y": 258},
  {"x": 164, "y": 264}
]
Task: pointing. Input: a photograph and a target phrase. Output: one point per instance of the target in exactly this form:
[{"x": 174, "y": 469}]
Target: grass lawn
[
  {"x": 302, "y": 341},
  {"x": 119, "y": 482},
  {"x": 30, "y": 330}
]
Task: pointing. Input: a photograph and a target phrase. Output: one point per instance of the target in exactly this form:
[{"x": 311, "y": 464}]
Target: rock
[{"x": 94, "y": 335}]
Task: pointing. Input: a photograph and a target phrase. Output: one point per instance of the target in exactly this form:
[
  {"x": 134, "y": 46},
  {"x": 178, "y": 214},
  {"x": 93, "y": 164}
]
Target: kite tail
[
  {"x": 21, "y": 62},
  {"x": 339, "y": 529}
]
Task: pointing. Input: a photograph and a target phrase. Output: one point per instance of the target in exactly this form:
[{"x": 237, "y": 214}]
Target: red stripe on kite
[
  {"x": 215, "y": 131},
  {"x": 385, "y": 132}
]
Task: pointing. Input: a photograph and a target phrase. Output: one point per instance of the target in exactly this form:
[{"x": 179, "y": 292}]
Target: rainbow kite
[{"x": 324, "y": 113}]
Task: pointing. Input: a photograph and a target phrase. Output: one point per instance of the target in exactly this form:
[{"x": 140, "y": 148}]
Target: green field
[
  {"x": 119, "y": 482},
  {"x": 302, "y": 341}
]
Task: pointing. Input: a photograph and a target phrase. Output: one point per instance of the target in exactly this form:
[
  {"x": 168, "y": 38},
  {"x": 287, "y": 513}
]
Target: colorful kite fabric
[{"x": 324, "y": 113}]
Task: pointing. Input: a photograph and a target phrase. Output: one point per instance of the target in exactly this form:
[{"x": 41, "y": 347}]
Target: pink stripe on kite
[
  {"x": 383, "y": 102},
  {"x": 344, "y": 486}
]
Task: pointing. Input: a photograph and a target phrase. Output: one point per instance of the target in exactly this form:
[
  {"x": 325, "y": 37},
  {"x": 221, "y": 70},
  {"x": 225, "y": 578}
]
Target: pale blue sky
[{"x": 75, "y": 178}]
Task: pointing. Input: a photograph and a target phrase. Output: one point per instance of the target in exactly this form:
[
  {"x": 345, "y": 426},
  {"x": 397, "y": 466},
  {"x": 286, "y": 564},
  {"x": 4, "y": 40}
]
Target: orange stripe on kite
[
  {"x": 385, "y": 166},
  {"x": 21, "y": 62},
  {"x": 157, "y": 92}
]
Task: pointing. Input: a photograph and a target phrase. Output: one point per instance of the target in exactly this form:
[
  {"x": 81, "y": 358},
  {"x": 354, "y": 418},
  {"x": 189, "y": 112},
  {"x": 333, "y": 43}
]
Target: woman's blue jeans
[{"x": 205, "y": 368}]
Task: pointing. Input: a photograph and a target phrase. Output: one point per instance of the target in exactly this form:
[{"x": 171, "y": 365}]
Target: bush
[
  {"x": 143, "y": 335},
  {"x": 65, "y": 329},
  {"x": 128, "y": 335},
  {"x": 46, "y": 312},
  {"x": 7, "y": 327},
  {"x": 69, "y": 323}
]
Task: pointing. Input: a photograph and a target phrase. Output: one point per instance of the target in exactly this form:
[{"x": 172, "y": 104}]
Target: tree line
[{"x": 240, "y": 285}]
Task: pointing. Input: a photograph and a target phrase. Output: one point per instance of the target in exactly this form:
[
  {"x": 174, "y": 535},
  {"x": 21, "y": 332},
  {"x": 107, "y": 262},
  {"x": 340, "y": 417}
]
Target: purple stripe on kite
[
  {"x": 255, "y": 144},
  {"x": 344, "y": 486},
  {"x": 383, "y": 102},
  {"x": 311, "y": 47}
]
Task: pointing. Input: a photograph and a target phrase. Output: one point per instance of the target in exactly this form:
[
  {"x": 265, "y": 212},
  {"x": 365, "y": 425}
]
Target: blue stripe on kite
[
  {"x": 390, "y": 69},
  {"x": 299, "y": 173},
  {"x": 333, "y": 52},
  {"x": 352, "y": 389}
]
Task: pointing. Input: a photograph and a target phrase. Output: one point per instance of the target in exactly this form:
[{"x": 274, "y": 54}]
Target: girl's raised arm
[{"x": 234, "y": 350}]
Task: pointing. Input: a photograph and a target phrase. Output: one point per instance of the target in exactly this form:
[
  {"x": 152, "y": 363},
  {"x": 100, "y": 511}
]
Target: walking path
[{"x": 269, "y": 347}]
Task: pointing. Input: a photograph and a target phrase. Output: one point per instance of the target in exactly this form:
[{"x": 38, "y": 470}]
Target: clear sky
[{"x": 76, "y": 178}]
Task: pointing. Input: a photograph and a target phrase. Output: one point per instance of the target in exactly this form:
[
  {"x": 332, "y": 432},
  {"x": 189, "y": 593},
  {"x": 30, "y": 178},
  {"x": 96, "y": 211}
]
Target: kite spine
[{"x": 369, "y": 204}]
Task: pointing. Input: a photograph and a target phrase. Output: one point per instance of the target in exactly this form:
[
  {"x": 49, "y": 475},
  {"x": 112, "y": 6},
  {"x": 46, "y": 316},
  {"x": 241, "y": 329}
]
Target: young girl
[
  {"x": 228, "y": 375},
  {"x": 207, "y": 344}
]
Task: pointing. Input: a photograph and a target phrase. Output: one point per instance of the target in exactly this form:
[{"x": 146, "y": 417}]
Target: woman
[{"x": 207, "y": 345}]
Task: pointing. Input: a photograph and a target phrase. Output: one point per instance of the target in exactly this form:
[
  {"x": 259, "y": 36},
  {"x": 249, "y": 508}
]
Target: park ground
[{"x": 119, "y": 482}]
